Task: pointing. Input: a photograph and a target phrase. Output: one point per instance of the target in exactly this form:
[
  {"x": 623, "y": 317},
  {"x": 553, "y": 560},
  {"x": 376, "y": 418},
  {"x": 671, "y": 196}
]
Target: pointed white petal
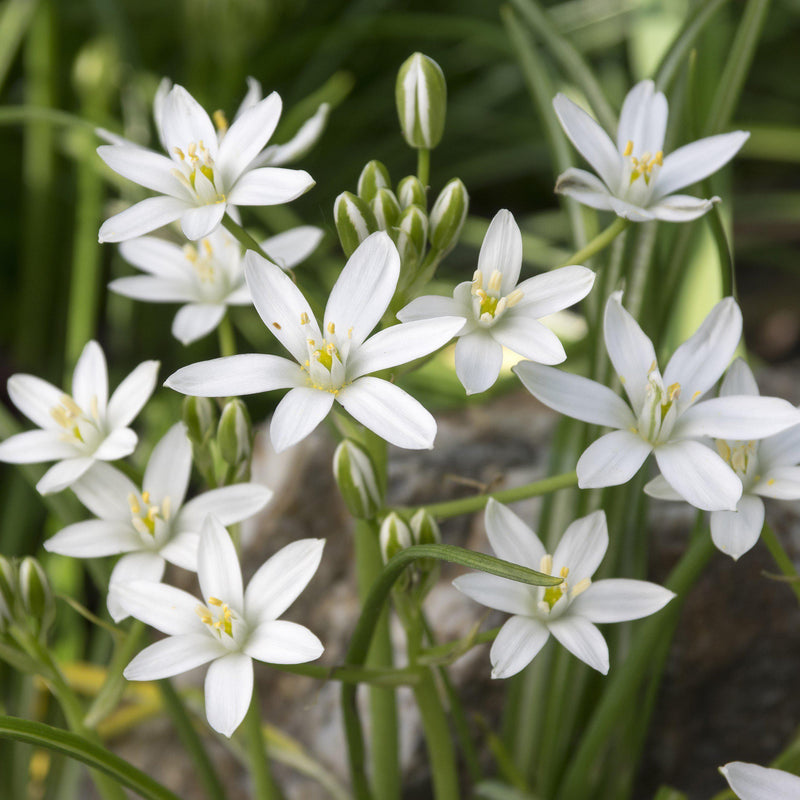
[
  {"x": 143, "y": 217},
  {"x": 693, "y": 162},
  {"x": 612, "y": 460},
  {"x": 63, "y": 474},
  {"x": 585, "y": 188},
  {"x": 735, "y": 532},
  {"x": 364, "y": 288},
  {"x": 172, "y": 656},
  {"x": 428, "y": 307},
  {"x": 201, "y": 221},
  {"x": 501, "y": 251},
  {"x": 141, "y": 566},
  {"x": 235, "y": 375},
  {"x": 33, "y": 447},
  {"x": 751, "y": 782},
  {"x": 105, "y": 490},
  {"x": 297, "y": 414},
  {"x": 478, "y": 360},
  {"x": 781, "y": 450},
  {"x": 390, "y": 412},
  {"x": 699, "y": 475},
  {"x": 291, "y": 247},
  {"x": 90, "y": 378},
  {"x": 698, "y": 363},
  {"x": 782, "y": 483},
  {"x": 554, "y": 291},
  {"x": 35, "y": 398},
  {"x": 511, "y": 539},
  {"x": 218, "y": 567},
  {"x": 194, "y": 321},
  {"x": 279, "y": 581},
  {"x": 516, "y": 645},
  {"x": 660, "y": 489},
  {"x": 156, "y": 256},
  {"x": 681, "y": 207},
  {"x": 299, "y": 144},
  {"x": 144, "y": 167},
  {"x": 154, "y": 290},
  {"x": 229, "y": 504},
  {"x": 169, "y": 610},
  {"x": 620, "y": 600},
  {"x": 737, "y": 417},
  {"x": 93, "y": 538},
  {"x": 130, "y": 396},
  {"x": 495, "y": 592},
  {"x": 228, "y": 691},
  {"x": 252, "y": 96},
  {"x": 183, "y": 122},
  {"x": 582, "y": 547},
  {"x": 282, "y": 642},
  {"x": 167, "y": 472},
  {"x": 738, "y": 380},
  {"x": 269, "y": 186},
  {"x": 118, "y": 444},
  {"x": 522, "y": 334},
  {"x": 402, "y": 343},
  {"x": 181, "y": 550},
  {"x": 590, "y": 140},
  {"x": 643, "y": 119},
  {"x": 622, "y": 208},
  {"x": 583, "y": 640}
]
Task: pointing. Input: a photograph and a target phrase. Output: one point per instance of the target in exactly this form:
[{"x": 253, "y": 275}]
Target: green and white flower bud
[
  {"x": 355, "y": 475},
  {"x": 386, "y": 209},
  {"x": 36, "y": 595},
  {"x": 354, "y": 221},
  {"x": 421, "y": 96},
  {"x": 8, "y": 590},
  {"x": 395, "y": 536},
  {"x": 374, "y": 176},
  {"x": 411, "y": 192},
  {"x": 425, "y": 529},
  {"x": 412, "y": 234},
  {"x": 200, "y": 417},
  {"x": 448, "y": 215},
  {"x": 235, "y": 433}
]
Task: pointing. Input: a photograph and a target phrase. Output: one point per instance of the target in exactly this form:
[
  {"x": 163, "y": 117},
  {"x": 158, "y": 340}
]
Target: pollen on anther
[
  {"x": 495, "y": 281},
  {"x": 304, "y": 318},
  {"x": 146, "y": 497},
  {"x": 628, "y": 148},
  {"x": 331, "y": 328},
  {"x": 276, "y": 325}
]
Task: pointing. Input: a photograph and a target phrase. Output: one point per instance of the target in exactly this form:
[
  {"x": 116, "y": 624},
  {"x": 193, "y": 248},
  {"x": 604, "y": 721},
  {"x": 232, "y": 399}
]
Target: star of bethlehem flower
[
  {"x": 569, "y": 610},
  {"x": 638, "y": 180},
  {"x": 81, "y": 428},
  {"x": 207, "y": 171},
  {"x": 209, "y": 277},
  {"x": 766, "y": 468},
  {"x": 150, "y": 525},
  {"x": 499, "y": 313},
  {"x": 332, "y": 362},
  {"x": 666, "y": 415},
  {"x": 230, "y": 626},
  {"x": 752, "y": 782}
]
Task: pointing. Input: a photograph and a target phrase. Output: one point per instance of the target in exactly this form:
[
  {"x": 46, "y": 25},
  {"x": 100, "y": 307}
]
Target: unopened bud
[
  {"x": 411, "y": 192},
  {"x": 200, "y": 417},
  {"x": 374, "y": 176},
  {"x": 36, "y": 594},
  {"x": 421, "y": 96},
  {"x": 355, "y": 475},
  {"x": 235, "y": 433},
  {"x": 386, "y": 209},
  {"x": 448, "y": 215},
  {"x": 354, "y": 221},
  {"x": 395, "y": 536},
  {"x": 8, "y": 590},
  {"x": 424, "y": 528},
  {"x": 412, "y": 233}
]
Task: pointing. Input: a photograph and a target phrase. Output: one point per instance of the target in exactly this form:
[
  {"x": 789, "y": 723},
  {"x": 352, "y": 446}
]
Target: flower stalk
[{"x": 598, "y": 243}]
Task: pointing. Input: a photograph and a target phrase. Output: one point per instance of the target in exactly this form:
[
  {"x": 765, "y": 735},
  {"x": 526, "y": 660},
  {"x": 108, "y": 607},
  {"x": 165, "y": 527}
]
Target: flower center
[
  {"x": 643, "y": 166},
  {"x": 79, "y": 427},
  {"x": 202, "y": 262},
  {"x": 145, "y": 514},
  {"x": 742, "y": 457},
  {"x": 659, "y": 410},
  {"x": 194, "y": 162},
  {"x": 488, "y": 301},
  {"x": 326, "y": 358},
  {"x": 218, "y": 616},
  {"x": 553, "y": 594}
]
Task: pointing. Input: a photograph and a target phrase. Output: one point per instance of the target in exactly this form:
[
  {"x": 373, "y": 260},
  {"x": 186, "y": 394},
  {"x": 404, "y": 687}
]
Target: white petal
[
  {"x": 630, "y": 350},
  {"x": 585, "y": 188},
  {"x": 181, "y": 550},
  {"x": 660, "y": 489},
  {"x": 199, "y": 222},
  {"x": 699, "y": 475},
  {"x": 402, "y": 343},
  {"x": 554, "y": 291},
  {"x": 33, "y": 447},
  {"x": 612, "y": 460},
  {"x": 390, "y": 412},
  {"x": 305, "y": 138},
  {"x": 527, "y": 337},
  {"x": 364, "y": 288},
  {"x": 681, "y": 207},
  {"x": 252, "y": 96},
  {"x": 235, "y": 375},
  {"x": 495, "y": 592},
  {"x": 63, "y": 474},
  {"x": 781, "y": 450},
  {"x": 782, "y": 483},
  {"x": 35, "y": 398},
  {"x": 141, "y": 566},
  {"x": 90, "y": 379},
  {"x": 165, "y": 608},
  {"x": 269, "y": 186},
  {"x": 735, "y": 532},
  {"x": 590, "y": 140},
  {"x": 104, "y": 490},
  {"x": 228, "y": 691},
  {"x": 291, "y": 247},
  {"x": 282, "y": 642},
  {"x": 144, "y": 167},
  {"x": 478, "y": 360},
  {"x": 511, "y": 539},
  {"x": 751, "y": 782},
  {"x": 218, "y": 567},
  {"x": 693, "y": 162},
  {"x": 698, "y": 363},
  {"x": 183, "y": 122},
  {"x": 582, "y": 547},
  {"x": 583, "y": 640},
  {"x": 643, "y": 119},
  {"x": 297, "y": 414},
  {"x": 738, "y": 380},
  {"x": 143, "y": 217},
  {"x": 130, "y": 396},
  {"x": 194, "y": 321},
  {"x": 626, "y": 210},
  {"x": 118, "y": 444},
  {"x": 516, "y": 645},
  {"x": 156, "y": 256},
  {"x": 228, "y": 504},
  {"x": 170, "y": 465},
  {"x": 428, "y": 307},
  {"x": 501, "y": 251},
  {"x": 575, "y": 396},
  {"x": 737, "y": 417},
  {"x": 154, "y": 290},
  {"x": 93, "y": 538},
  {"x": 280, "y": 305},
  {"x": 620, "y": 600},
  {"x": 172, "y": 656}
]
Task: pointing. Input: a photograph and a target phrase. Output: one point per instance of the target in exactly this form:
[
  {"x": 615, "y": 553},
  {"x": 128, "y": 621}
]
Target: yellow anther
[
  {"x": 350, "y": 332},
  {"x": 331, "y": 328},
  {"x": 220, "y": 120},
  {"x": 311, "y": 343},
  {"x": 564, "y": 572},
  {"x": 178, "y": 152},
  {"x": 192, "y": 151},
  {"x": 189, "y": 253},
  {"x": 477, "y": 278},
  {"x": 546, "y": 564},
  {"x": 71, "y": 405},
  {"x": 207, "y": 247},
  {"x": 146, "y": 497},
  {"x": 696, "y": 395},
  {"x": 673, "y": 391},
  {"x": 514, "y": 297},
  {"x": 770, "y": 481},
  {"x": 495, "y": 281},
  {"x": 215, "y": 601},
  {"x": 653, "y": 366},
  {"x": 134, "y": 503},
  {"x": 724, "y": 450},
  {"x": 331, "y": 348},
  {"x": 660, "y": 158},
  {"x": 581, "y": 586},
  {"x": 304, "y": 319},
  {"x": 628, "y": 148}
]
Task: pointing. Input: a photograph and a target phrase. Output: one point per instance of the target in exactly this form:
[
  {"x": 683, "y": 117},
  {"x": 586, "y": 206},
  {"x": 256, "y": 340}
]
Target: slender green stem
[
  {"x": 781, "y": 558},
  {"x": 227, "y": 339},
  {"x": 601, "y": 241},
  {"x": 376, "y": 676},
  {"x": 13, "y": 115},
  {"x": 244, "y": 238},
  {"x": 438, "y": 740},
  {"x": 265, "y": 786},
  {"x": 424, "y": 165}
]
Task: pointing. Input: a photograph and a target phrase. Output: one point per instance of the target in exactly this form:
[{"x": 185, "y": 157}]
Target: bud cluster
[
  {"x": 395, "y": 535},
  {"x": 26, "y": 598}
]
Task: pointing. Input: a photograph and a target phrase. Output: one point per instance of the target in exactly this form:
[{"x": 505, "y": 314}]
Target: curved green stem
[
  {"x": 265, "y": 786},
  {"x": 244, "y": 238},
  {"x": 424, "y": 165},
  {"x": 601, "y": 241},
  {"x": 781, "y": 558},
  {"x": 227, "y": 339}
]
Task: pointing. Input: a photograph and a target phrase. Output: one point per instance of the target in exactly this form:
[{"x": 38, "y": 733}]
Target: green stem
[
  {"x": 227, "y": 339},
  {"x": 265, "y": 786},
  {"x": 438, "y": 739},
  {"x": 13, "y": 115},
  {"x": 424, "y": 165},
  {"x": 244, "y": 238},
  {"x": 782, "y": 560},
  {"x": 601, "y": 241}
]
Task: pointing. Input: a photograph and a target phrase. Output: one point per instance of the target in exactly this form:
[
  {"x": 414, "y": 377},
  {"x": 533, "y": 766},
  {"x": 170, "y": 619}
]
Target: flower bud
[
  {"x": 36, "y": 594},
  {"x": 374, "y": 176},
  {"x": 235, "y": 433},
  {"x": 386, "y": 209},
  {"x": 425, "y": 529},
  {"x": 8, "y": 590},
  {"x": 354, "y": 221},
  {"x": 421, "y": 96},
  {"x": 412, "y": 234},
  {"x": 395, "y": 536},
  {"x": 448, "y": 215},
  {"x": 355, "y": 475},
  {"x": 200, "y": 417},
  {"x": 411, "y": 192}
]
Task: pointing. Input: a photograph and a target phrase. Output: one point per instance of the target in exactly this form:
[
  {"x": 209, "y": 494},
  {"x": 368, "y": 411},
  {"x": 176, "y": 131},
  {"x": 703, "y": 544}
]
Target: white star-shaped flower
[
  {"x": 568, "y": 610},
  {"x": 332, "y": 363},
  {"x": 638, "y": 180},
  {"x": 230, "y": 626},
  {"x": 150, "y": 525},
  {"x": 499, "y": 312},
  {"x": 81, "y": 428},
  {"x": 752, "y": 782},
  {"x": 664, "y": 415},
  {"x": 208, "y": 277}
]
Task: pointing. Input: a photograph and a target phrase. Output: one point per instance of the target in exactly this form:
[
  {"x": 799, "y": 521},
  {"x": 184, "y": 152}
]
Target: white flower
[
  {"x": 206, "y": 172},
  {"x": 751, "y": 782},
  {"x": 501, "y": 313},
  {"x": 229, "y": 626},
  {"x": 568, "y": 610},
  {"x": 151, "y": 525},
  {"x": 768, "y": 468},
  {"x": 81, "y": 428},
  {"x": 664, "y": 416},
  {"x": 333, "y": 362},
  {"x": 209, "y": 277},
  {"x": 638, "y": 180}
]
